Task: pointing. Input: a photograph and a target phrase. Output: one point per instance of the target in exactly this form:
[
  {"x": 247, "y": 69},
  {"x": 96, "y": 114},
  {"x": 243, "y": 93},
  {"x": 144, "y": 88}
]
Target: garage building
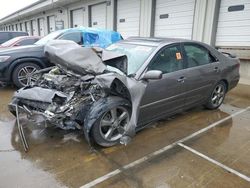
[{"x": 222, "y": 23}]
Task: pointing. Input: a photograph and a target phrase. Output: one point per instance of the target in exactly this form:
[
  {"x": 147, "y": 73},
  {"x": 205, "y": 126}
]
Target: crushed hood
[
  {"x": 83, "y": 60},
  {"x": 73, "y": 57}
]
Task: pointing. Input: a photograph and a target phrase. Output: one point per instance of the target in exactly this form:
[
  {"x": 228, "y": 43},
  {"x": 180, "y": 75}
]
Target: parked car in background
[
  {"x": 7, "y": 35},
  {"x": 144, "y": 80},
  {"x": 17, "y": 63},
  {"x": 20, "y": 41}
]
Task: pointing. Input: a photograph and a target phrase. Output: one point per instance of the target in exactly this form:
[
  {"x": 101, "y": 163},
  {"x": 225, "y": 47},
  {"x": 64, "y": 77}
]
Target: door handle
[
  {"x": 216, "y": 69},
  {"x": 181, "y": 79}
]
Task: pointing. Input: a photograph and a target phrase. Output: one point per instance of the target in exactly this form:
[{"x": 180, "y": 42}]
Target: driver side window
[{"x": 167, "y": 60}]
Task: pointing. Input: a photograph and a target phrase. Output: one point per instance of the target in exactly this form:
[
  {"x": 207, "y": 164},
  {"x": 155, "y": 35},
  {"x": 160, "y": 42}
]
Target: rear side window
[
  {"x": 75, "y": 36},
  {"x": 18, "y": 34},
  {"x": 27, "y": 42},
  {"x": 197, "y": 55},
  {"x": 4, "y": 36}
]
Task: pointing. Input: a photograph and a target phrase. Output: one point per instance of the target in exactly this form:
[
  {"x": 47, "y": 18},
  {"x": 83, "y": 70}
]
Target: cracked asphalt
[{"x": 59, "y": 158}]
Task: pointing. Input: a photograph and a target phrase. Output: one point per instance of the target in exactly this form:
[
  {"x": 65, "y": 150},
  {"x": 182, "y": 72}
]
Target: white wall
[{"x": 204, "y": 23}]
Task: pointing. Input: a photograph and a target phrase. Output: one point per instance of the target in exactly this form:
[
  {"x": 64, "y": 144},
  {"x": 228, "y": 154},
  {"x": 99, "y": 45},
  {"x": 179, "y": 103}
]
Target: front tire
[
  {"x": 23, "y": 74},
  {"x": 111, "y": 125},
  {"x": 217, "y": 96}
]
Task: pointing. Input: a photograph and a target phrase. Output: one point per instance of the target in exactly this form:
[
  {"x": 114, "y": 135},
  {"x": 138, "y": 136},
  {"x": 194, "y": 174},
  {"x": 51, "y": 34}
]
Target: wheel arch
[
  {"x": 226, "y": 83},
  {"x": 97, "y": 109}
]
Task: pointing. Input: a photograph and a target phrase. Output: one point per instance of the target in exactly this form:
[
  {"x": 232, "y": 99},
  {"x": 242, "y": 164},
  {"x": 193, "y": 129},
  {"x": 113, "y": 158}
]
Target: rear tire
[
  {"x": 217, "y": 96},
  {"x": 111, "y": 125},
  {"x": 22, "y": 74}
]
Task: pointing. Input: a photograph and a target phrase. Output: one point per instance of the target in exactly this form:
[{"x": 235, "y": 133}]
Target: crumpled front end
[
  {"x": 57, "y": 99},
  {"x": 74, "y": 93}
]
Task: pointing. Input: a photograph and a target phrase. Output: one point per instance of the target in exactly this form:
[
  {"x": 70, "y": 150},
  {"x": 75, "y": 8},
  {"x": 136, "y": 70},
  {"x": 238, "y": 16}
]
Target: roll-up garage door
[
  {"x": 233, "y": 24},
  {"x": 77, "y": 18},
  {"x": 21, "y": 27},
  {"x": 99, "y": 15},
  {"x": 28, "y": 27},
  {"x": 34, "y": 27},
  {"x": 174, "y": 18},
  {"x": 41, "y": 28},
  {"x": 51, "y": 24},
  {"x": 128, "y": 17}
]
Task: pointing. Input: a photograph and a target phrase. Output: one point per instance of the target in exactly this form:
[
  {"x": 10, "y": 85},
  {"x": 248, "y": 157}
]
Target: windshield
[
  {"x": 49, "y": 37},
  {"x": 10, "y": 42},
  {"x": 136, "y": 54}
]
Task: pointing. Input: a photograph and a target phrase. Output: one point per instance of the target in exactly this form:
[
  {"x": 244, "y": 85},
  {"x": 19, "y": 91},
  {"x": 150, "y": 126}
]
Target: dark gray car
[{"x": 113, "y": 93}]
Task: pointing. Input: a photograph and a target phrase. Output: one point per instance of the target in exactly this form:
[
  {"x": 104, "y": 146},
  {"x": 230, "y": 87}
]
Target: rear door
[
  {"x": 203, "y": 71},
  {"x": 167, "y": 95}
]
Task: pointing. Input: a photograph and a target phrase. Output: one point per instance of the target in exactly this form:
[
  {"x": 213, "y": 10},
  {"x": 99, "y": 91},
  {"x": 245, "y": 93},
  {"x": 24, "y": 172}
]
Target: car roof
[
  {"x": 154, "y": 41},
  {"x": 89, "y": 30}
]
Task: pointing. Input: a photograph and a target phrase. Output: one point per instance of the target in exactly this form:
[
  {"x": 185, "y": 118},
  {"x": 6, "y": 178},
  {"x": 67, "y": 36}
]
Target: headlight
[{"x": 4, "y": 58}]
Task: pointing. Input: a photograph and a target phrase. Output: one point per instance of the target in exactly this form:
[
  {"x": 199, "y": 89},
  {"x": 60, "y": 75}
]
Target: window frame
[
  {"x": 199, "y": 46},
  {"x": 160, "y": 51}
]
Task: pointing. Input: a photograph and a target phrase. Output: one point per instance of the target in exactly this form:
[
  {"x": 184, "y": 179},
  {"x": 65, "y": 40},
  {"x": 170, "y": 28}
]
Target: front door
[{"x": 167, "y": 95}]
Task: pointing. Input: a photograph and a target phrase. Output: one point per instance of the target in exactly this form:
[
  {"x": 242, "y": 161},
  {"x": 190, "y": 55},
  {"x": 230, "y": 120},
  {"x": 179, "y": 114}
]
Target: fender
[
  {"x": 98, "y": 108},
  {"x": 22, "y": 60}
]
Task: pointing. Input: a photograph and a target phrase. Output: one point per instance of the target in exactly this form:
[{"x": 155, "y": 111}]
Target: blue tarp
[{"x": 98, "y": 37}]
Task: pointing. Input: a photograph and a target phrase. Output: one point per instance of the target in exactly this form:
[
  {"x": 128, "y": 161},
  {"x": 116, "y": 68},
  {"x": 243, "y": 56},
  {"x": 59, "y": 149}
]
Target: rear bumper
[{"x": 233, "y": 83}]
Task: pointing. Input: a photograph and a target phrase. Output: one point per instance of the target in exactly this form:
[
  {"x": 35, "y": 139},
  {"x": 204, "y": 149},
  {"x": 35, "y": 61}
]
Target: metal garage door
[
  {"x": 28, "y": 27},
  {"x": 234, "y": 23},
  {"x": 34, "y": 28},
  {"x": 51, "y": 24},
  {"x": 174, "y": 18},
  {"x": 128, "y": 17},
  {"x": 99, "y": 15},
  {"x": 21, "y": 27},
  {"x": 77, "y": 18},
  {"x": 41, "y": 28}
]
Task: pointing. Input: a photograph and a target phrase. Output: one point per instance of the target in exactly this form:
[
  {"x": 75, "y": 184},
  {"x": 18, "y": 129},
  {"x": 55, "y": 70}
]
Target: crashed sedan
[{"x": 111, "y": 94}]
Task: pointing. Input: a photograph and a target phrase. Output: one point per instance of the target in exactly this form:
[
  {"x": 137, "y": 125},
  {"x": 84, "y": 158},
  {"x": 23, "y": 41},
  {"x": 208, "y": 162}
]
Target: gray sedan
[
  {"x": 111, "y": 94},
  {"x": 193, "y": 73}
]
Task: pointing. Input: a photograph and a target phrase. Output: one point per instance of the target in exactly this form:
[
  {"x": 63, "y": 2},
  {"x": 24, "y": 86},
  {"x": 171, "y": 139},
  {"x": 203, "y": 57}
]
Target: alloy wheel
[
  {"x": 26, "y": 75},
  {"x": 218, "y": 95},
  {"x": 113, "y": 123}
]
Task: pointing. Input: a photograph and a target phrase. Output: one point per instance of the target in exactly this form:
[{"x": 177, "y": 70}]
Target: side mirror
[{"x": 152, "y": 75}]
